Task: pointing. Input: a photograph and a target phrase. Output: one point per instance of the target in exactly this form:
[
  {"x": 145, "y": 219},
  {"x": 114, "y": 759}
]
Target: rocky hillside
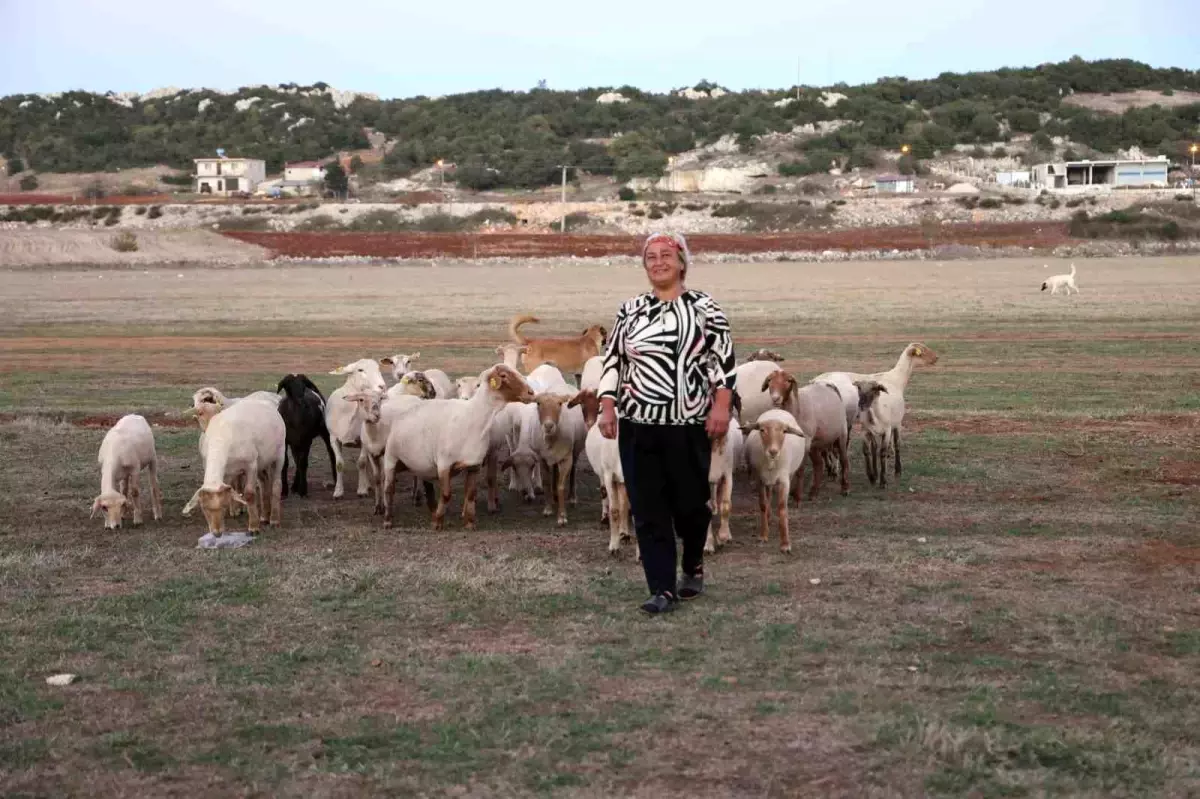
[{"x": 518, "y": 139}]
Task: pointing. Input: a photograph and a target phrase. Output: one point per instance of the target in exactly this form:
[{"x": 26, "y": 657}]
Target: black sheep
[{"x": 303, "y": 412}]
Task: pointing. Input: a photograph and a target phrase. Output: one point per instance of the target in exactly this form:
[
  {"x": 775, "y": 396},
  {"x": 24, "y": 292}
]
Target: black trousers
[{"x": 666, "y": 475}]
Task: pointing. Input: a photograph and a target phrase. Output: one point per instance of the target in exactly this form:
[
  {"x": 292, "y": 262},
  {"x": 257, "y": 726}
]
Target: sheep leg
[
  {"x": 843, "y": 455},
  {"x": 155, "y": 492},
  {"x": 284, "y": 471},
  {"x": 548, "y": 489},
  {"x": 364, "y": 479},
  {"x": 252, "y": 501},
  {"x": 562, "y": 488},
  {"x": 377, "y": 481},
  {"x": 430, "y": 499},
  {"x": 469, "y": 488},
  {"x": 710, "y": 541},
  {"x": 493, "y": 487},
  {"x": 134, "y": 495},
  {"x": 818, "y": 467},
  {"x": 725, "y": 507},
  {"x": 572, "y": 498},
  {"x": 324, "y": 433},
  {"x": 389, "y": 489},
  {"x": 614, "y": 519},
  {"x": 623, "y": 513},
  {"x": 868, "y": 447},
  {"x": 605, "y": 510},
  {"x": 416, "y": 491},
  {"x": 339, "y": 469},
  {"x": 781, "y": 510},
  {"x": 798, "y": 485},
  {"x": 300, "y": 483},
  {"x": 273, "y": 496},
  {"x": 830, "y": 463},
  {"x": 885, "y": 444},
  {"x": 439, "y": 513},
  {"x": 896, "y": 449},
  {"x": 762, "y": 511}
]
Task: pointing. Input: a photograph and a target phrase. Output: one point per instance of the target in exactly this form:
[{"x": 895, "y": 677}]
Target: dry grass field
[{"x": 1018, "y": 615}]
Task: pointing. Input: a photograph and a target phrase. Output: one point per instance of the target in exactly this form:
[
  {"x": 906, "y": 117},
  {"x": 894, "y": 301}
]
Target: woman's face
[{"x": 663, "y": 264}]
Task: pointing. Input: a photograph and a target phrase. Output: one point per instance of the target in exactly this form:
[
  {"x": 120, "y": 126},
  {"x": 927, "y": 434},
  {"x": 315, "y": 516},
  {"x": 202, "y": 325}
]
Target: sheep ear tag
[
  {"x": 916, "y": 352},
  {"x": 494, "y": 382}
]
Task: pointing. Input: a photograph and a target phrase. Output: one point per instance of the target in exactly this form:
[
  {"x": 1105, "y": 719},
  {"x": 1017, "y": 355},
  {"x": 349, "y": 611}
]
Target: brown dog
[{"x": 568, "y": 354}]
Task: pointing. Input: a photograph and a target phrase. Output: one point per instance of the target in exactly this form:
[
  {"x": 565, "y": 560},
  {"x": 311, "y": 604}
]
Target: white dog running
[{"x": 1056, "y": 282}]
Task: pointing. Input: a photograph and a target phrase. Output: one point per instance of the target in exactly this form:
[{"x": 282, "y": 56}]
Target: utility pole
[
  {"x": 797, "y": 78},
  {"x": 562, "y": 226}
]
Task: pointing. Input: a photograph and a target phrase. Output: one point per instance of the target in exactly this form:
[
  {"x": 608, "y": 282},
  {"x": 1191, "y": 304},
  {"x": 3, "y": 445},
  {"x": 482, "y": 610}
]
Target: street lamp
[
  {"x": 904, "y": 149},
  {"x": 442, "y": 171}
]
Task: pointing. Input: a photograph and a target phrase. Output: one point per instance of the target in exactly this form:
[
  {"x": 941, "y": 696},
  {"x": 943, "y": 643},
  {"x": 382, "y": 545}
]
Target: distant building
[
  {"x": 1018, "y": 178},
  {"x": 304, "y": 172},
  {"x": 896, "y": 184},
  {"x": 225, "y": 176},
  {"x": 1147, "y": 172}
]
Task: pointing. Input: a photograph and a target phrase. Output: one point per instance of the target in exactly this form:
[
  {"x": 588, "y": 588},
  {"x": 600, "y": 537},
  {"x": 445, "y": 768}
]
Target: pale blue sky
[{"x": 402, "y": 48}]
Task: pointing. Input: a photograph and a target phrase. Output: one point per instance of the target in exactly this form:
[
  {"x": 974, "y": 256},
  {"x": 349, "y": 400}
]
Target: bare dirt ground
[
  {"x": 1120, "y": 102},
  {"x": 1042, "y": 235},
  {"x": 61, "y": 247},
  {"x": 1015, "y": 615}
]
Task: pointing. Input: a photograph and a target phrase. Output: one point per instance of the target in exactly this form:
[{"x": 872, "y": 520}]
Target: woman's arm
[
  {"x": 610, "y": 376},
  {"x": 718, "y": 341}
]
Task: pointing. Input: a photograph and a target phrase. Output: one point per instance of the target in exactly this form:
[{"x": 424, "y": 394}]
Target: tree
[
  {"x": 356, "y": 163},
  {"x": 336, "y": 180},
  {"x": 1042, "y": 142},
  {"x": 29, "y": 183},
  {"x": 15, "y": 165}
]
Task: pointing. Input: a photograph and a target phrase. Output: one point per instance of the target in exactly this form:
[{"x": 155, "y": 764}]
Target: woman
[{"x": 668, "y": 371}]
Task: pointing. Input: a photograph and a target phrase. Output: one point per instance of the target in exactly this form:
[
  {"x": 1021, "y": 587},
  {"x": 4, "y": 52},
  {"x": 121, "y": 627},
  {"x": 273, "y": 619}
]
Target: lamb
[
  {"x": 569, "y": 353},
  {"x": 727, "y": 454},
  {"x": 377, "y": 412},
  {"x": 1065, "y": 282},
  {"x": 878, "y": 429},
  {"x": 604, "y": 455},
  {"x": 303, "y": 412},
  {"x": 510, "y": 355},
  {"x": 764, "y": 355},
  {"x": 246, "y": 440},
  {"x": 555, "y": 431},
  {"x": 749, "y": 379},
  {"x": 400, "y": 364},
  {"x": 776, "y": 448},
  {"x": 438, "y": 438},
  {"x": 127, "y": 449},
  {"x": 341, "y": 419},
  {"x": 821, "y": 416},
  {"x": 523, "y": 459},
  {"x": 465, "y": 387},
  {"x": 593, "y": 370},
  {"x": 895, "y": 380}
]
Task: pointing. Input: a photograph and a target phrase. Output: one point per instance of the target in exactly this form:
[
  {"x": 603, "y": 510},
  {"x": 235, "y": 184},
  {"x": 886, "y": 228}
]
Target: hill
[{"x": 518, "y": 139}]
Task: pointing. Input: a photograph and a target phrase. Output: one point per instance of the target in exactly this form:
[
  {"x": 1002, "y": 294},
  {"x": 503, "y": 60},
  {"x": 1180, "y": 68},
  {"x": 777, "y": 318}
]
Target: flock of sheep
[{"x": 535, "y": 426}]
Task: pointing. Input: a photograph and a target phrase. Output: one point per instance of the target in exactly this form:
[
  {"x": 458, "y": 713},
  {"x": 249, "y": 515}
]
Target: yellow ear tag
[
  {"x": 916, "y": 352},
  {"x": 494, "y": 383}
]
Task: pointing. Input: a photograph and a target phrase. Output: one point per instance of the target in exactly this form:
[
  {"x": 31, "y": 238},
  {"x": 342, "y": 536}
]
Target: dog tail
[
  {"x": 1044, "y": 284},
  {"x": 1072, "y": 270},
  {"x": 514, "y": 327}
]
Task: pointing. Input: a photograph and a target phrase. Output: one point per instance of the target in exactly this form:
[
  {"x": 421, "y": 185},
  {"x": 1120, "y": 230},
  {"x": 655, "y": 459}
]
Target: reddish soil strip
[
  {"x": 1041, "y": 235},
  {"x": 1179, "y": 472},
  {"x": 67, "y": 199}
]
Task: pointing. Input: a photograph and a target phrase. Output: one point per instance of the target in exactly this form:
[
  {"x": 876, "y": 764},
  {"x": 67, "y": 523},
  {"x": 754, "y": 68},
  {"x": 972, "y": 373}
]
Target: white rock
[
  {"x": 922, "y": 540},
  {"x": 61, "y": 679},
  {"x": 912, "y": 668},
  {"x": 815, "y": 581}
]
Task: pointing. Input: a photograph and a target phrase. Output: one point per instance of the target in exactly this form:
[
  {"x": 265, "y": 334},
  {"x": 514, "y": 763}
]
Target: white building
[
  {"x": 896, "y": 184},
  {"x": 225, "y": 176},
  {"x": 304, "y": 172},
  {"x": 1145, "y": 172},
  {"x": 1019, "y": 178}
]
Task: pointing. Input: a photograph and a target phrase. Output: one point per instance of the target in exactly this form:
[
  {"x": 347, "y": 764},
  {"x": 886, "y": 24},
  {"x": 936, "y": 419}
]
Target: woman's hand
[
  {"x": 608, "y": 418},
  {"x": 718, "y": 417}
]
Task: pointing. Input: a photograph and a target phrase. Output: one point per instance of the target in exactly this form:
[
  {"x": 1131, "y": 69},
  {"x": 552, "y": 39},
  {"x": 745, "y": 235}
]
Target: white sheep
[
  {"x": 400, "y": 364},
  {"x": 246, "y": 440},
  {"x": 437, "y": 438},
  {"x": 821, "y": 415},
  {"x": 442, "y": 386},
  {"x": 881, "y": 427},
  {"x": 343, "y": 422},
  {"x": 377, "y": 411},
  {"x": 593, "y": 369},
  {"x": 127, "y": 449},
  {"x": 465, "y": 387},
  {"x": 604, "y": 454},
  {"x": 895, "y": 380},
  {"x": 553, "y": 427},
  {"x": 775, "y": 448},
  {"x": 749, "y": 379},
  {"x": 1065, "y": 282}
]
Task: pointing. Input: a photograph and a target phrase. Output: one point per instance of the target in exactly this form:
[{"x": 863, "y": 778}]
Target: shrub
[
  {"x": 242, "y": 223},
  {"x": 999, "y": 152},
  {"x": 578, "y": 220},
  {"x": 773, "y": 216},
  {"x": 15, "y": 165},
  {"x": 29, "y": 183},
  {"x": 155, "y": 212},
  {"x": 1014, "y": 200},
  {"x": 1168, "y": 92},
  {"x": 125, "y": 241},
  {"x": 178, "y": 179},
  {"x": 626, "y": 194},
  {"x": 1183, "y": 198},
  {"x": 140, "y": 210},
  {"x": 770, "y": 188},
  {"x": 637, "y": 212},
  {"x": 655, "y": 213},
  {"x": 94, "y": 191},
  {"x": 695, "y": 206},
  {"x": 991, "y": 202},
  {"x": 809, "y": 188},
  {"x": 318, "y": 222}
]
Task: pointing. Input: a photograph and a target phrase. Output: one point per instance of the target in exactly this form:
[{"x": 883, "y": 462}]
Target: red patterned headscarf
[{"x": 677, "y": 241}]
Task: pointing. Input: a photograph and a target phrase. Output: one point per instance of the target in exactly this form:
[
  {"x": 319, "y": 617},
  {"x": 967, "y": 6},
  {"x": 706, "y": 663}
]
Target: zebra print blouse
[{"x": 665, "y": 358}]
